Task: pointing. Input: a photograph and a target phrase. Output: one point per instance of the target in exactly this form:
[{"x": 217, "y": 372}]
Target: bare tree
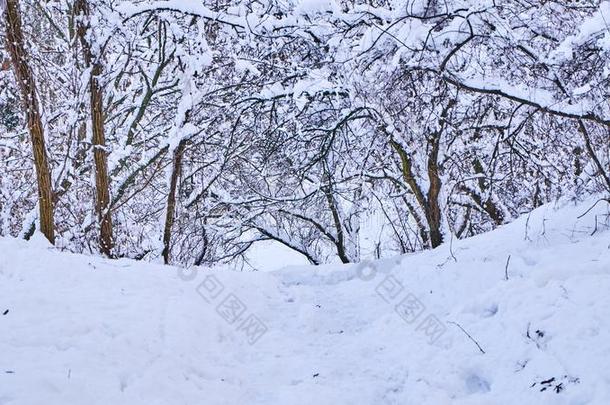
[
  {"x": 171, "y": 200},
  {"x": 102, "y": 181},
  {"x": 27, "y": 86}
]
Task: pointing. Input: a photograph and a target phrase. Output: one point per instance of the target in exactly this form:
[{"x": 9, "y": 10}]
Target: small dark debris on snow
[
  {"x": 318, "y": 306},
  {"x": 5, "y": 312},
  {"x": 556, "y": 385},
  {"x": 536, "y": 336},
  {"x": 9, "y": 372},
  {"x": 315, "y": 375}
]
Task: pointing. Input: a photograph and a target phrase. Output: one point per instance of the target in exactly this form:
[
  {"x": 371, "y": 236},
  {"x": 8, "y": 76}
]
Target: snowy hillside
[{"x": 520, "y": 315}]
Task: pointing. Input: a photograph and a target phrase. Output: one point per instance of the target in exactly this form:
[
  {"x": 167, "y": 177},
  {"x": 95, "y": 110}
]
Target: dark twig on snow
[
  {"x": 593, "y": 206},
  {"x": 468, "y": 334},
  {"x": 539, "y": 334},
  {"x": 506, "y": 268},
  {"x": 451, "y": 248},
  {"x": 527, "y": 225}
]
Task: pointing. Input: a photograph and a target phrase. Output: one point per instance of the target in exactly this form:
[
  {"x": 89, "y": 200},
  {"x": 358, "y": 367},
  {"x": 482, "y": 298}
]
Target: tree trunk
[
  {"x": 171, "y": 200},
  {"x": 102, "y": 181},
  {"x": 433, "y": 209},
  {"x": 27, "y": 86},
  {"x": 429, "y": 203}
]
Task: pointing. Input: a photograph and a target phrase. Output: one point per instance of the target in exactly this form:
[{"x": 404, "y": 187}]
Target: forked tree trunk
[
  {"x": 171, "y": 200},
  {"x": 429, "y": 203},
  {"x": 27, "y": 87},
  {"x": 102, "y": 182}
]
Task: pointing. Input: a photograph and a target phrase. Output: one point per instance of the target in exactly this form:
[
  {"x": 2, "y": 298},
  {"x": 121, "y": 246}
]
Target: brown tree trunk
[
  {"x": 429, "y": 203},
  {"x": 102, "y": 181},
  {"x": 27, "y": 86},
  {"x": 433, "y": 209},
  {"x": 171, "y": 200}
]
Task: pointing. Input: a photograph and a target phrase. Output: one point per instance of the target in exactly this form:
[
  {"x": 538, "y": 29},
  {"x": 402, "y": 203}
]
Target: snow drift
[{"x": 516, "y": 316}]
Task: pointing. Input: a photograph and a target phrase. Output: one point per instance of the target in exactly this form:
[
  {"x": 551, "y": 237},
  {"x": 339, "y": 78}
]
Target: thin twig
[
  {"x": 506, "y": 268},
  {"x": 593, "y": 206},
  {"x": 469, "y": 337},
  {"x": 451, "y": 248},
  {"x": 527, "y": 224}
]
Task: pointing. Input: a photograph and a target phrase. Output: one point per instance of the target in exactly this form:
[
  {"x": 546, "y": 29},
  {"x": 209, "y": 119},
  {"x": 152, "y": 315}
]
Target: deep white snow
[{"x": 84, "y": 330}]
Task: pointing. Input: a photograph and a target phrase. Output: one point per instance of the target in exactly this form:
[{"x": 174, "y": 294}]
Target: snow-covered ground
[{"x": 439, "y": 327}]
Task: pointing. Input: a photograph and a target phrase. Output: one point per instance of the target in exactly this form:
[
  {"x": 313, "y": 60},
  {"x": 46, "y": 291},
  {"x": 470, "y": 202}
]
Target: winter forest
[
  {"x": 296, "y": 202},
  {"x": 187, "y": 131}
]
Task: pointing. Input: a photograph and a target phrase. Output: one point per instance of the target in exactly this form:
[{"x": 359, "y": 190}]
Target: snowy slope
[{"x": 84, "y": 330}]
